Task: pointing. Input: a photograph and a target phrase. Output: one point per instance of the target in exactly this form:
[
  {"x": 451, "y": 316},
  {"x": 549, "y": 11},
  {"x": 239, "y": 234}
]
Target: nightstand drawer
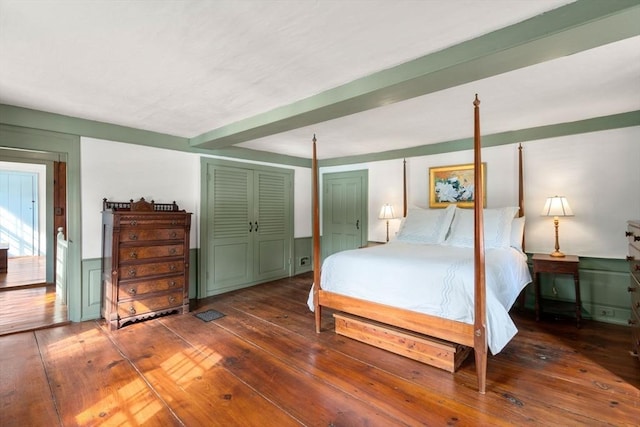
[{"x": 554, "y": 267}]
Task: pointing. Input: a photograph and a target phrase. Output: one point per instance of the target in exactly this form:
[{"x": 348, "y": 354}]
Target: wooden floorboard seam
[{"x": 49, "y": 378}]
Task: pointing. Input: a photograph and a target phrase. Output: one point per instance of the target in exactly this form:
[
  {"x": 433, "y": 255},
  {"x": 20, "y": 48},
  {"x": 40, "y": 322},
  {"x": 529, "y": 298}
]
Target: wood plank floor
[
  {"x": 26, "y": 301},
  {"x": 31, "y": 308},
  {"x": 263, "y": 364},
  {"x": 24, "y": 271}
]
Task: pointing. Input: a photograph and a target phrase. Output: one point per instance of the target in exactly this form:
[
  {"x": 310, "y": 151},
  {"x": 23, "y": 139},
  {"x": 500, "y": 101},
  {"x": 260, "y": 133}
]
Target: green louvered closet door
[
  {"x": 230, "y": 244},
  {"x": 271, "y": 237},
  {"x": 249, "y": 229}
]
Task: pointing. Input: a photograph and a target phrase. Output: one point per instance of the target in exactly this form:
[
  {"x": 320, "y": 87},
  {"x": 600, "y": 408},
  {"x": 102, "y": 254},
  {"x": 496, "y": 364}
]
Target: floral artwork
[{"x": 453, "y": 184}]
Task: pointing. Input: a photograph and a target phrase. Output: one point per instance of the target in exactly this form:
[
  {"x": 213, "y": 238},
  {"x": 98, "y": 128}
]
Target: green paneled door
[
  {"x": 248, "y": 230},
  {"x": 344, "y": 211}
]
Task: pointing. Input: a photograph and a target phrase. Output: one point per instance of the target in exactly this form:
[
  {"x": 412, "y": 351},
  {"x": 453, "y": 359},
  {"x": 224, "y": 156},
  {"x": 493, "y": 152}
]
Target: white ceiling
[{"x": 187, "y": 67}]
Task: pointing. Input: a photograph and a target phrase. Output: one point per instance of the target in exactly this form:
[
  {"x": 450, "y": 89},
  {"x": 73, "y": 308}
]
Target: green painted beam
[
  {"x": 51, "y": 122},
  {"x": 596, "y": 124},
  {"x": 34, "y": 119},
  {"x": 579, "y": 26}
]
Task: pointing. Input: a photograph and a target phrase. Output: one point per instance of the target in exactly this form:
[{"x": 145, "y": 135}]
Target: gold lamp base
[{"x": 556, "y": 253}]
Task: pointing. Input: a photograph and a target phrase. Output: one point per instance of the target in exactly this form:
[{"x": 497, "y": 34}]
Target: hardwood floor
[
  {"x": 25, "y": 271},
  {"x": 26, "y": 301},
  {"x": 263, "y": 364},
  {"x": 30, "y": 308}
]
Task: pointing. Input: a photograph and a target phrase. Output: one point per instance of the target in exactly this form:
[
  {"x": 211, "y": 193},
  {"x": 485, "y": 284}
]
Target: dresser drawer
[
  {"x": 133, "y": 289},
  {"x": 136, "y": 271},
  {"x": 634, "y": 293},
  {"x": 155, "y": 220},
  {"x": 140, "y": 306},
  {"x": 132, "y": 253},
  {"x": 143, "y": 235},
  {"x": 635, "y": 332},
  {"x": 634, "y": 262},
  {"x": 633, "y": 235}
]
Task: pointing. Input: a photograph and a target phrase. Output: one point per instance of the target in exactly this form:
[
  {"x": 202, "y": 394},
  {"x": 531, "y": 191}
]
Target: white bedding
[{"x": 432, "y": 279}]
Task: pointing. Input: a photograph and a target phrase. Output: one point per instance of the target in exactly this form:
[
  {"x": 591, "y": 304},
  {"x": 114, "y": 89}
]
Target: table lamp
[
  {"x": 387, "y": 213},
  {"x": 557, "y": 206}
]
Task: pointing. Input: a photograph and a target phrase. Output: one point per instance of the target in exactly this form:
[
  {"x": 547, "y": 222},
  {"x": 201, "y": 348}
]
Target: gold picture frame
[{"x": 455, "y": 184}]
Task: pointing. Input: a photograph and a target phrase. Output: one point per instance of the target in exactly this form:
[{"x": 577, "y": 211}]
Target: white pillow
[
  {"x": 517, "y": 231},
  {"x": 497, "y": 227},
  {"x": 429, "y": 226}
]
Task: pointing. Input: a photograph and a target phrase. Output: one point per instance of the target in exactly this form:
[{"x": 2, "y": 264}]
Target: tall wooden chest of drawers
[
  {"x": 633, "y": 234},
  {"x": 145, "y": 260}
]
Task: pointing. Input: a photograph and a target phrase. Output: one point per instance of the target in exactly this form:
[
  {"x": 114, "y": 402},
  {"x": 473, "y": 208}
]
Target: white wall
[
  {"x": 598, "y": 172},
  {"x": 121, "y": 172}
]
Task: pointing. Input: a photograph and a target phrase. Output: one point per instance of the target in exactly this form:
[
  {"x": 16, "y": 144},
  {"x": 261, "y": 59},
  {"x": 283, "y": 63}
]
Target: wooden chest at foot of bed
[{"x": 431, "y": 351}]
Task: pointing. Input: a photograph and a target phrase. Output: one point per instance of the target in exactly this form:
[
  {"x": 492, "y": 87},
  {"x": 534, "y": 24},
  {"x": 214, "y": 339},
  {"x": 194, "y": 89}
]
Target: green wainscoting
[
  {"x": 303, "y": 254},
  {"x": 603, "y": 289},
  {"x": 603, "y": 285},
  {"x": 91, "y": 289}
]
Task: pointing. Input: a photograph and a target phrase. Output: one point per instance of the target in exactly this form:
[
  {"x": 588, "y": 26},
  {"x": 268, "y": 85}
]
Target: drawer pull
[
  {"x": 174, "y": 234},
  {"x": 172, "y": 283},
  {"x": 172, "y": 267},
  {"x": 133, "y": 236},
  {"x": 172, "y": 251},
  {"x": 628, "y": 233},
  {"x": 174, "y": 222},
  {"x": 133, "y": 255},
  {"x": 132, "y": 272},
  {"x": 132, "y": 310},
  {"x": 630, "y": 258},
  {"x": 134, "y": 223},
  {"x": 637, "y": 267},
  {"x": 630, "y": 289},
  {"x": 632, "y": 322},
  {"x": 638, "y": 304},
  {"x": 172, "y": 299},
  {"x": 636, "y": 238},
  {"x": 132, "y": 291}
]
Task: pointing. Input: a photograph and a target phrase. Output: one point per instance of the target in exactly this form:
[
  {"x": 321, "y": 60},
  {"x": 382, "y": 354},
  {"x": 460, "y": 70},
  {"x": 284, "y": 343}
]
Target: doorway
[
  {"x": 23, "y": 223},
  {"x": 27, "y": 289}
]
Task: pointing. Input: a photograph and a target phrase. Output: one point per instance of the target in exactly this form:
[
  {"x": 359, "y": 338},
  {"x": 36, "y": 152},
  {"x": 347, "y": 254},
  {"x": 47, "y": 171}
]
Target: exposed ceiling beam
[{"x": 576, "y": 27}]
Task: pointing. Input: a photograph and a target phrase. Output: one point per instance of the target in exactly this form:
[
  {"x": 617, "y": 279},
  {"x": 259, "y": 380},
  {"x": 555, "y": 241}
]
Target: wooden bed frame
[{"x": 376, "y": 322}]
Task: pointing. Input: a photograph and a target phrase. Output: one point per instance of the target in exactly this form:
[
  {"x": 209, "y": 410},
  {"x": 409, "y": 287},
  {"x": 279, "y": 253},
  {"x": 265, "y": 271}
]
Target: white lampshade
[
  {"x": 557, "y": 206},
  {"x": 386, "y": 212}
]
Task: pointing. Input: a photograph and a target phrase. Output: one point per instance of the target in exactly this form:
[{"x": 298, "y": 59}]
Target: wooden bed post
[
  {"x": 480, "y": 314},
  {"x": 520, "y": 188},
  {"x": 316, "y": 238},
  {"x": 404, "y": 187}
]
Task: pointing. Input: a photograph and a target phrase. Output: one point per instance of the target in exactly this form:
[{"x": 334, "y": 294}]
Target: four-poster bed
[{"x": 433, "y": 339}]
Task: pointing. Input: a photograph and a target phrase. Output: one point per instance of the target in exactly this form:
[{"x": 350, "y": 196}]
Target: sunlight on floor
[
  {"x": 190, "y": 364},
  {"x": 132, "y": 404}
]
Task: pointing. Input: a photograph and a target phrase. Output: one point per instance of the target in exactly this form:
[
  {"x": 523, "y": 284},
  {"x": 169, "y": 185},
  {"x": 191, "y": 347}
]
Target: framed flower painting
[{"x": 455, "y": 184}]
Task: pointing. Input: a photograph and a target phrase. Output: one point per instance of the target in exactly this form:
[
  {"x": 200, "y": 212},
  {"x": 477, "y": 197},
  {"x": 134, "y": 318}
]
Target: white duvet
[{"x": 432, "y": 279}]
